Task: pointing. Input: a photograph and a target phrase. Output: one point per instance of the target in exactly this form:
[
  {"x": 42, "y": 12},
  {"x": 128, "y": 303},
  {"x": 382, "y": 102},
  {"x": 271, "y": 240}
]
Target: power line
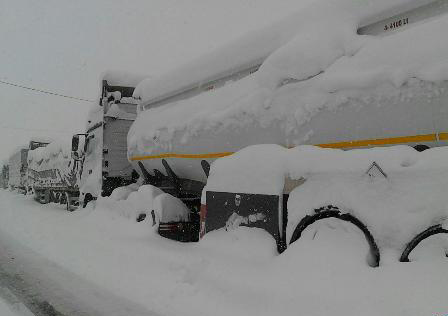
[{"x": 44, "y": 91}]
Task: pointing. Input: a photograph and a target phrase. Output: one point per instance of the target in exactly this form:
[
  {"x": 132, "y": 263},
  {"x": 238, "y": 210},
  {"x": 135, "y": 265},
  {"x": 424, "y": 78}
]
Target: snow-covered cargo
[
  {"x": 328, "y": 86},
  {"x": 52, "y": 174},
  {"x": 103, "y": 151}
]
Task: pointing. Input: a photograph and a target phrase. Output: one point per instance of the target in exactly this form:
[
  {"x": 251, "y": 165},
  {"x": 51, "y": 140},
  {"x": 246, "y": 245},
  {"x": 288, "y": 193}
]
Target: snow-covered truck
[
  {"x": 18, "y": 170},
  {"x": 52, "y": 174},
  {"x": 102, "y": 150},
  {"x": 354, "y": 77}
]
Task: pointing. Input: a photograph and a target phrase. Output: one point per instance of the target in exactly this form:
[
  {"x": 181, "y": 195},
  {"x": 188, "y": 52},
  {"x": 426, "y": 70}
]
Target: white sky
[{"x": 64, "y": 45}]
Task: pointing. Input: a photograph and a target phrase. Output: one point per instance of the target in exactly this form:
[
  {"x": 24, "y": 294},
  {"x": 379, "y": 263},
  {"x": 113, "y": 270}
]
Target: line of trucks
[
  {"x": 54, "y": 173},
  {"x": 103, "y": 158}
]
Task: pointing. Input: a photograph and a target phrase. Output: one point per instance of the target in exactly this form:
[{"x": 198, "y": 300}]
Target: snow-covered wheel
[
  {"x": 433, "y": 230},
  {"x": 334, "y": 212}
]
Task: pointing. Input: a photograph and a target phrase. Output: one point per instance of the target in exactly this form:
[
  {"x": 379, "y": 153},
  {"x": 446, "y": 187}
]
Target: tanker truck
[
  {"x": 101, "y": 150},
  {"x": 388, "y": 87}
]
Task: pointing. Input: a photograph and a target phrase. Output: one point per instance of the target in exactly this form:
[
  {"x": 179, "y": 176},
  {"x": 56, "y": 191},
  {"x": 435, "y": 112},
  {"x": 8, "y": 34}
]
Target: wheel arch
[
  {"x": 430, "y": 231},
  {"x": 334, "y": 212}
]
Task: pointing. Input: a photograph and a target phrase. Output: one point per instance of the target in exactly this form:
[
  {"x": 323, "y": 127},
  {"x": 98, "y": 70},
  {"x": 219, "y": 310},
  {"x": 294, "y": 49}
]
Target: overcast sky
[{"x": 64, "y": 45}]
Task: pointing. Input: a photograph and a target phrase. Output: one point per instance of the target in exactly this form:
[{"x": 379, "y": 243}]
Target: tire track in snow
[{"x": 47, "y": 289}]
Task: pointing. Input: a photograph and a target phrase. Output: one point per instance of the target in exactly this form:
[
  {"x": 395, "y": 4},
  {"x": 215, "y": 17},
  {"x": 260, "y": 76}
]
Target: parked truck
[
  {"x": 52, "y": 174},
  {"x": 182, "y": 130},
  {"x": 18, "y": 170},
  {"x": 101, "y": 150}
]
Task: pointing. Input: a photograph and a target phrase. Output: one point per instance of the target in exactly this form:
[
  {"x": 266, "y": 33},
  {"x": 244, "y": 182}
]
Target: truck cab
[{"x": 102, "y": 149}]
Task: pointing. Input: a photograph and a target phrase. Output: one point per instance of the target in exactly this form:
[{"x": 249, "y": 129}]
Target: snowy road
[{"x": 48, "y": 289}]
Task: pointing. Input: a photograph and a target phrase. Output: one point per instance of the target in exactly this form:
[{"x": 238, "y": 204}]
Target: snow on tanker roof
[
  {"x": 253, "y": 48},
  {"x": 340, "y": 65}
]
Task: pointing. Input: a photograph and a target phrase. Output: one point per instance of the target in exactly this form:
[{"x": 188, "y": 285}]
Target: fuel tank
[{"x": 414, "y": 114}]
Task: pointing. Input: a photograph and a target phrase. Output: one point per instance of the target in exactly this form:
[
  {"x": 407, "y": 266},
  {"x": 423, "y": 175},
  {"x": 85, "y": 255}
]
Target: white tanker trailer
[{"x": 382, "y": 90}]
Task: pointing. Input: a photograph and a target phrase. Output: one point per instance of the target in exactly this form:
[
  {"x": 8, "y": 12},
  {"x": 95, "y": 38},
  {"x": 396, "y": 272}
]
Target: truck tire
[
  {"x": 433, "y": 230},
  {"x": 334, "y": 212}
]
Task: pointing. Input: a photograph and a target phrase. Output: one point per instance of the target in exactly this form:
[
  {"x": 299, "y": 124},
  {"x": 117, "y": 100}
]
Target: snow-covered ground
[
  {"x": 227, "y": 273},
  {"x": 12, "y": 308},
  {"x": 6, "y": 309}
]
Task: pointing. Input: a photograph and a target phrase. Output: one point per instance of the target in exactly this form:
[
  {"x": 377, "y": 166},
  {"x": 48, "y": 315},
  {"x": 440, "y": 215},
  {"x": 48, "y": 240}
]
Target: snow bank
[
  {"x": 395, "y": 208},
  {"x": 132, "y": 200},
  {"x": 227, "y": 273},
  {"x": 339, "y": 65},
  {"x": 170, "y": 209}
]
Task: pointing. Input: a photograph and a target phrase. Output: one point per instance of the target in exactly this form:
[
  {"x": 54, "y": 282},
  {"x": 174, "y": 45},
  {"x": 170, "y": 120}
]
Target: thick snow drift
[
  {"x": 321, "y": 18},
  {"x": 396, "y": 207},
  {"x": 339, "y": 65},
  {"x": 227, "y": 273}
]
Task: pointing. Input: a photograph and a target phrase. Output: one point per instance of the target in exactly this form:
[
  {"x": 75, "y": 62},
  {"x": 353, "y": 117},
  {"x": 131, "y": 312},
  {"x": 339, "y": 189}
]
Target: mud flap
[{"x": 229, "y": 210}]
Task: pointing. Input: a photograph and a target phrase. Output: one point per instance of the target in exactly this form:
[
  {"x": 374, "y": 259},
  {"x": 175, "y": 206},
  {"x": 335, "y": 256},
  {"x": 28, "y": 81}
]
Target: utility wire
[{"x": 46, "y": 92}]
